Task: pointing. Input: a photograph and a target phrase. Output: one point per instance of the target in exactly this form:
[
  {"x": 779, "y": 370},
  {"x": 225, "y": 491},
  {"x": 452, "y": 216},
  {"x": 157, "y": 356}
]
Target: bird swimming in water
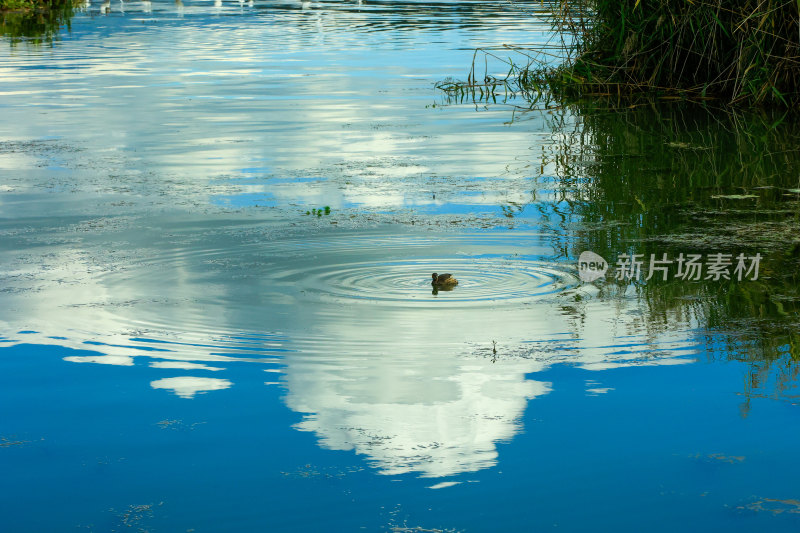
[{"x": 443, "y": 280}]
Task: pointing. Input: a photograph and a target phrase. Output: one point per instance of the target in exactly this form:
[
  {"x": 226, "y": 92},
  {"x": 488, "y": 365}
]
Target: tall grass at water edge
[{"x": 743, "y": 52}]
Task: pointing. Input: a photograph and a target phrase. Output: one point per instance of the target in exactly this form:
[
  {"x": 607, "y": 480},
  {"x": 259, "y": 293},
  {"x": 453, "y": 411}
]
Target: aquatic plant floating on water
[{"x": 319, "y": 212}]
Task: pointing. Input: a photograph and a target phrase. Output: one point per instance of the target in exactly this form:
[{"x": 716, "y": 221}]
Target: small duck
[{"x": 443, "y": 280}]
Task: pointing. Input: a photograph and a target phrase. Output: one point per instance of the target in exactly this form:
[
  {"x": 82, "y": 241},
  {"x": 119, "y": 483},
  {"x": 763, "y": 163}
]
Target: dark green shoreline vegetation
[
  {"x": 743, "y": 53},
  {"x": 37, "y": 21}
]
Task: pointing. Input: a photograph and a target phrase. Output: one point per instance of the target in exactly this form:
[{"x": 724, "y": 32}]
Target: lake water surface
[{"x": 189, "y": 345}]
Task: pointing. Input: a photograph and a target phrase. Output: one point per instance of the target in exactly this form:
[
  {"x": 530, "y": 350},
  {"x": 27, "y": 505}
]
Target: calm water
[{"x": 187, "y": 347}]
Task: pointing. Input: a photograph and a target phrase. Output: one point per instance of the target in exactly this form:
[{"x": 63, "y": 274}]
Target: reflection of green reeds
[
  {"x": 743, "y": 52},
  {"x": 679, "y": 179},
  {"x": 683, "y": 175},
  {"x": 37, "y": 21}
]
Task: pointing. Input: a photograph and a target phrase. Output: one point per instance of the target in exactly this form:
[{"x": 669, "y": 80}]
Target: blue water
[
  {"x": 637, "y": 456},
  {"x": 184, "y": 348}
]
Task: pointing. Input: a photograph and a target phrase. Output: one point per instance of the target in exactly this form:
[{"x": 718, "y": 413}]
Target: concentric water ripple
[
  {"x": 387, "y": 269},
  {"x": 481, "y": 281},
  {"x": 195, "y": 294}
]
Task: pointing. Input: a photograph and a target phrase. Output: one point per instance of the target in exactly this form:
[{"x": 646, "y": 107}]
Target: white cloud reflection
[
  {"x": 412, "y": 388},
  {"x": 188, "y": 386},
  {"x": 406, "y": 418},
  {"x": 120, "y": 360},
  {"x": 390, "y": 383},
  {"x": 184, "y": 365}
]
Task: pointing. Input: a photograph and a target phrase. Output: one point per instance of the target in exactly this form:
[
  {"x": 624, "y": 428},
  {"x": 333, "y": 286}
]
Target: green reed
[{"x": 744, "y": 52}]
